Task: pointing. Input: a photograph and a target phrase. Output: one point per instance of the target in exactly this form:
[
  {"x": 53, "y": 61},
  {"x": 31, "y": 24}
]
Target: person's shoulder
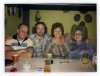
[
  {"x": 29, "y": 39},
  {"x": 10, "y": 41},
  {"x": 73, "y": 42},
  {"x": 83, "y": 42},
  {"x": 51, "y": 43},
  {"x": 14, "y": 38},
  {"x": 32, "y": 35},
  {"x": 47, "y": 36}
]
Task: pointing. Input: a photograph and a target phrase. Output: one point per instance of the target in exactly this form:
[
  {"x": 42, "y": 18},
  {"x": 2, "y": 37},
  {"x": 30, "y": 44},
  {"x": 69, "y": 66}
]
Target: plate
[
  {"x": 77, "y": 17},
  {"x": 88, "y": 18}
]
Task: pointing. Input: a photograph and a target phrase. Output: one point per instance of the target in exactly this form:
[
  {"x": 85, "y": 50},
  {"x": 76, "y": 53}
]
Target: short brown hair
[{"x": 21, "y": 25}]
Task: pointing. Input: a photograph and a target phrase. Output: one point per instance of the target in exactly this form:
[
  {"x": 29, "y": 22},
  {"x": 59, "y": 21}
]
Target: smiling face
[
  {"x": 57, "y": 32},
  {"x": 40, "y": 30},
  {"x": 22, "y": 32},
  {"x": 78, "y": 36}
]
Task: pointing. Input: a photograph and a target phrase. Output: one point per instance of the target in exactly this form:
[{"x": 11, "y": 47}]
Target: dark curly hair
[
  {"x": 56, "y": 25},
  {"x": 35, "y": 27}
]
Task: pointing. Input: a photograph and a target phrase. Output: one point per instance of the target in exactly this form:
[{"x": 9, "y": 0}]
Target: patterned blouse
[
  {"x": 58, "y": 50},
  {"x": 83, "y": 48}
]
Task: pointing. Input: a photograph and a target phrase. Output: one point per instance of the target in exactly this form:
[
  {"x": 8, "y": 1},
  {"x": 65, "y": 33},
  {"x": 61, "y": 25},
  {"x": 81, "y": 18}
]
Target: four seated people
[{"x": 39, "y": 44}]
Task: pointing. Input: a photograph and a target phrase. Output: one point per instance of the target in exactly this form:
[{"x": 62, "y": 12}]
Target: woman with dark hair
[
  {"x": 79, "y": 46},
  {"x": 57, "y": 46}
]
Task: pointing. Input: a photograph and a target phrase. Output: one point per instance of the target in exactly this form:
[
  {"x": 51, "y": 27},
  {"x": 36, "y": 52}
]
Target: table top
[{"x": 59, "y": 65}]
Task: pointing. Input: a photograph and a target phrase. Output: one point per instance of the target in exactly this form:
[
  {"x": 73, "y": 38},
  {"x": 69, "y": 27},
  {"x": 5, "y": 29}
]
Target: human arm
[{"x": 8, "y": 37}]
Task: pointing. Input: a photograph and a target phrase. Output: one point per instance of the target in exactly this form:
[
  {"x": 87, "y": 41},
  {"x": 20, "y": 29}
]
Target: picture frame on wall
[
  {"x": 14, "y": 11},
  {"x": 9, "y": 11}
]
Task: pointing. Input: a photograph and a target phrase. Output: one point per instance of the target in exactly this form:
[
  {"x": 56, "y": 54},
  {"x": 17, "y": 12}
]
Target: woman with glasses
[{"x": 79, "y": 46}]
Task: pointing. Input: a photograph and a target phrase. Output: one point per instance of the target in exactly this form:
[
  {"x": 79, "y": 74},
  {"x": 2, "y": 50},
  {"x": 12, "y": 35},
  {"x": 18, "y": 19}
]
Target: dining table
[{"x": 58, "y": 65}]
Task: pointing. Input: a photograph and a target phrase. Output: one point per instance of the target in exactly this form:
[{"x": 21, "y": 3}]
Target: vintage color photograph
[{"x": 58, "y": 37}]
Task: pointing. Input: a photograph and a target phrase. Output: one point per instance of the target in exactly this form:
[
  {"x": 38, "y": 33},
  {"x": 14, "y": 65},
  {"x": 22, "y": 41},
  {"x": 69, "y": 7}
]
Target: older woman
[
  {"x": 79, "y": 46},
  {"x": 57, "y": 46}
]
